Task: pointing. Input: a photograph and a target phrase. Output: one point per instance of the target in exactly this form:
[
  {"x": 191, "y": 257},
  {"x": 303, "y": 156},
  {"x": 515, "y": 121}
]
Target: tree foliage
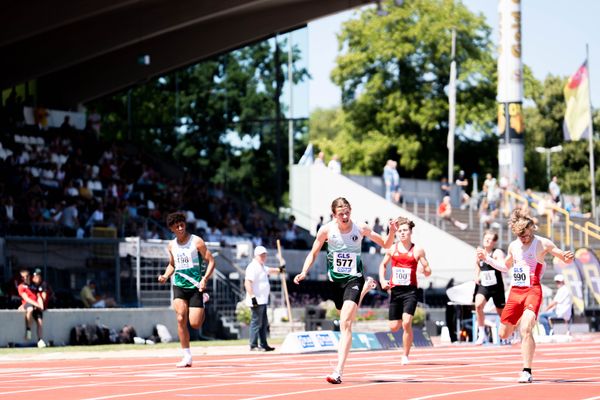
[
  {"x": 219, "y": 118},
  {"x": 394, "y": 71}
]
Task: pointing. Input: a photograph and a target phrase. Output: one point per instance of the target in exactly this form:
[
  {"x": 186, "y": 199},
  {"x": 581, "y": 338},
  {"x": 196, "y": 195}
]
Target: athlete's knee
[
  {"x": 407, "y": 326},
  {"x": 181, "y": 318},
  {"x": 395, "y": 326},
  {"x": 346, "y": 325}
]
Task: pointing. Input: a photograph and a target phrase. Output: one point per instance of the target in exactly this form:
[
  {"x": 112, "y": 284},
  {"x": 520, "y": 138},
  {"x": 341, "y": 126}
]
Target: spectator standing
[
  {"x": 554, "y": 190},
  {"x": 444, "y": 187},
  {"x": 560, "y": 306},
  {"x": 257, "y": 297},
  {"x": 335, "y": 165},
  {"x": 388, "y": 179},
  {"x": 493, "y": 192},
  {"x": 320, "y": 160},
  {"x": 462, "y": 182}
]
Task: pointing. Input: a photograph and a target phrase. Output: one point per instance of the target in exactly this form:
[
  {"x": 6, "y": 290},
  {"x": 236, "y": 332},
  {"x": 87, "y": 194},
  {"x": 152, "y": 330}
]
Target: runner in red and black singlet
[
  {"x": 405, "y": 257},
  {"x": 525, "y": 259}
]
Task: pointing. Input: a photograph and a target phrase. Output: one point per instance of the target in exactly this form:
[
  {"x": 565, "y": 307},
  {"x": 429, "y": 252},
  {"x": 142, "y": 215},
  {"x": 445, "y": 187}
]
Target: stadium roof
[{"x": 81, "y": 50}]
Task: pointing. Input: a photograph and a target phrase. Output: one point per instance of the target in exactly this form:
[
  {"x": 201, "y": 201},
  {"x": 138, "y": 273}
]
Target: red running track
[{"x": 560, "y": 371}]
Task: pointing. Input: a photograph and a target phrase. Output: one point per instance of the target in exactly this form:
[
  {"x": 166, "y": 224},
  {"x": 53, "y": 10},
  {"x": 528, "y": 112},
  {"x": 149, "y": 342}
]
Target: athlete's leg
[
  {"x": 395, "y": 325},
  {"x": 506, "y": 330},
  {"x": 347, "y": 315},
  {"x": 182, "y": 309},
  {"x": 479, "y": 304},
  {"x": 527, "y": 342},
  {"x": 407, "y": 335},
  {"x": 196, "y": 315}
]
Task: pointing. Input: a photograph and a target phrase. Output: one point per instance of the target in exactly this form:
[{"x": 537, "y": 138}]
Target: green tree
[
  {"x": 394, "y": 72},
  {"x": 220, "y": 118}
]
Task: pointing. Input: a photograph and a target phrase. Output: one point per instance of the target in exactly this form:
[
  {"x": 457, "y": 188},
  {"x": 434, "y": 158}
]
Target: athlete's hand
[
  {"x": 481, "y": 254},
  {"x": 299, "y": 278},
  {"x": 568, "y": 256},
  {"x": 202, "y": 287},
  {"x": 385, "y": 284},
  {"x": 162, "y": 278}
]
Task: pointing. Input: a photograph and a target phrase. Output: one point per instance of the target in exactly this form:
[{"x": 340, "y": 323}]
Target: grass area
[{"x": 128, "y": 347}]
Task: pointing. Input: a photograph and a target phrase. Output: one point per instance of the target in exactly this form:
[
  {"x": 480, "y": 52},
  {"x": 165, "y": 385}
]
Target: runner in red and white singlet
[
  {"x": 526, "y": 262},
  {"x": 405, "y": 257}
]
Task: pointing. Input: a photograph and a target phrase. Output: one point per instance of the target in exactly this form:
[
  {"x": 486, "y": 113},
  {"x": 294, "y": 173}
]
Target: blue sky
[{"x": 555, "y": 33}]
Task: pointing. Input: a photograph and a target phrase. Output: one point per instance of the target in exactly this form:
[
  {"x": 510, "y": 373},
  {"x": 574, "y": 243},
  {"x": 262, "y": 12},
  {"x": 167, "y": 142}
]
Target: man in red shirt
[{"x": 31, "y": 304}]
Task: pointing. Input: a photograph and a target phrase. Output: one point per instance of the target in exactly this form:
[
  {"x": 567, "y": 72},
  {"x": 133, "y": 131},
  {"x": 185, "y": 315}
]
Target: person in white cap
[
  {"x": 560, "y": 306},
  {"x": 257, "y": 297}
]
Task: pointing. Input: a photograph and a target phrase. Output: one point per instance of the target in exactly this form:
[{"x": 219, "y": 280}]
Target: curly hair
[
  {"x": 405, "y": 221},
  {"x": 520, "y": 221}
]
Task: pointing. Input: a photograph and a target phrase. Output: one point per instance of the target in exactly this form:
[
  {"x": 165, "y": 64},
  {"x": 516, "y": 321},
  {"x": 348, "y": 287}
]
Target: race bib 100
[
  {"x": 487, "y": 278},
  {"x": 345, "y": 263},
  {"x": 401, "y": 276},
  {"x": 520, "y": 276}
]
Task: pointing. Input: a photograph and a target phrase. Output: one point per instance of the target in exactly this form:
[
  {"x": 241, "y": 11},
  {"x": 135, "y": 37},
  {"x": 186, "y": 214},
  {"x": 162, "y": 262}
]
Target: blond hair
[{"x": 520, "y": 221}]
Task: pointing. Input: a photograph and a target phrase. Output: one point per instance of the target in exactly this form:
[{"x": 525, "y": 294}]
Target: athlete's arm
[
  {"x": 377, "y": 238},
  {"x": 385, "y": 284},
  {"x": 312, "y": 255},
  {"x": 499, "y": 265},
  {"x": 208, "y": 257},
  {"x": 170, "y": 269},
  {"x": 477, "y": 269},
  {"x": 550, "y": 247},
  {"x": 420, "y": 257}
]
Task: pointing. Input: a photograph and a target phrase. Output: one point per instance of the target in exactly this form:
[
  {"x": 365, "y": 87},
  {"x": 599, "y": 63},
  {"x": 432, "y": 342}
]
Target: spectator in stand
[
  {"x": 487, "y": 217},
  {"x": 445, "y": 187},
  {"x": 388, "y": 179},
  {"x": 320, "y": 160},
  {"x": 45, "y": 294},
  {"x": 463, "y": 183},
  {"x": 320, "y": 223},
  {"x": 33, "y": 307},
  {"x": 335, "y": 165},
  {"x": 91, "y": 300},
  {"x": 493, "y": 192},
  {"x": 554, "y": 190},
  {"x": 560, "y": 307},
  {"x": 445, "y": 212}
]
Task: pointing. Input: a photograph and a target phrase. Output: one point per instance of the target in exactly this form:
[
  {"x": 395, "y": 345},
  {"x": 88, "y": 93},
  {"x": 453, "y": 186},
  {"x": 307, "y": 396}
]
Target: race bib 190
[
  {"x": 520, "y": 276},
  {"x": 487, "y": 278},
  {"x": 401, "y": 276},
  {"x": 344, "y": 263}
]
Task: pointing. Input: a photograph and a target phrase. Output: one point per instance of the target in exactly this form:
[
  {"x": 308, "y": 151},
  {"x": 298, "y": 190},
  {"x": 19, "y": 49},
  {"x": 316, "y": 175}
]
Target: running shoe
[
  {"x": 41, "y": 344},
  {"x": 481, "y": 340},
  {"x": 334, "y": 378},
  {"x": 185, "y": 362},
  {"x": 525, "y": 377},
  {"x": 268, "y": 348},
  {"x": 404, "y": 360}
]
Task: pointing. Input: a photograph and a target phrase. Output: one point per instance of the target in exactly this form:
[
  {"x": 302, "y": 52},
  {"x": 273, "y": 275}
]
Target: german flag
[{"x": 576, "y": 124}]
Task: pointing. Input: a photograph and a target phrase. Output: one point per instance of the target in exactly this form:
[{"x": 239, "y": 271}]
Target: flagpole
[
  {"x": 452, "y": 111},
  {"x": 591, "y": 139}
]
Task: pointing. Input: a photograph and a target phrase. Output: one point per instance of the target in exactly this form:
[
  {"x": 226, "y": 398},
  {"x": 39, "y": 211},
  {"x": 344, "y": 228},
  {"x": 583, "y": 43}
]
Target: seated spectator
[
  {"x": 33, "y": 306},
  {"x": 560, "y": 306},
  {"x": 445, "y": 212},
  {"x": 91, "y": 300}
]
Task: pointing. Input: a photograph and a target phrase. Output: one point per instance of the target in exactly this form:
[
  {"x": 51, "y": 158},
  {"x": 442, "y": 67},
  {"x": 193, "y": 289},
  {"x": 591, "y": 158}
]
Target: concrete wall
[
  {"x": 58, "y": 322},
  {"x": 448, "y": 256}
]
